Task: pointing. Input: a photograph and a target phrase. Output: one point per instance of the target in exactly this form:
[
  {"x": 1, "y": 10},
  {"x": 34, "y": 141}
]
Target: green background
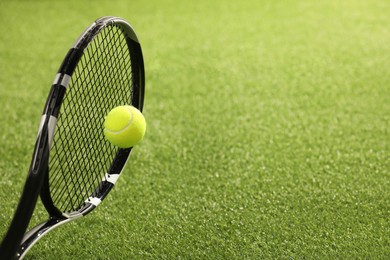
[{"x": 268, "y": 128}]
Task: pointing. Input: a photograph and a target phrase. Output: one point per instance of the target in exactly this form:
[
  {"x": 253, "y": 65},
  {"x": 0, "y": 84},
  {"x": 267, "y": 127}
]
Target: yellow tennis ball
[{"x": 124, "y": 126}]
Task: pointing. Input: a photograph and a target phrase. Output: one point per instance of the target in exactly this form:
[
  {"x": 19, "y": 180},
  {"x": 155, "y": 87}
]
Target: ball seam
[{"x": 124, "y": 128}]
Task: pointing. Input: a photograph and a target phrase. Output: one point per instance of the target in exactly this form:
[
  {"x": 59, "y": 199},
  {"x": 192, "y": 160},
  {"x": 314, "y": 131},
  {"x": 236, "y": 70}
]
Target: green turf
[{"x": 268, "y": 128}]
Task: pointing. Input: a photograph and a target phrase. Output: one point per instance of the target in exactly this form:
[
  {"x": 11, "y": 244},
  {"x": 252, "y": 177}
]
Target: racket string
[{"x": 80, "y": 155}]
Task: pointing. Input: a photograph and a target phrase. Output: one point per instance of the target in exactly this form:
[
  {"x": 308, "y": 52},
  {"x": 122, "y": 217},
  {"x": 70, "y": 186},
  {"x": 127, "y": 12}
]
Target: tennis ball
[{"x": 124, "y": 126}]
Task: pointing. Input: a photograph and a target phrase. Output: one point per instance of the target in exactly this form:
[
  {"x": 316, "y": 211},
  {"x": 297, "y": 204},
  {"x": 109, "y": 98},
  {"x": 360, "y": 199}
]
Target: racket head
[{"x": 103, "y": 69}]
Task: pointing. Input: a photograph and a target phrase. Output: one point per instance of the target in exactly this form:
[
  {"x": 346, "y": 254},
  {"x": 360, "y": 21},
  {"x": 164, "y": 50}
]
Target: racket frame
[{"x": 15, "y": 243}]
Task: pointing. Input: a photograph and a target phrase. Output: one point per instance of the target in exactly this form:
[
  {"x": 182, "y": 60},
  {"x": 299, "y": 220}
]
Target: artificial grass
[{"x": 267, "y": 129}]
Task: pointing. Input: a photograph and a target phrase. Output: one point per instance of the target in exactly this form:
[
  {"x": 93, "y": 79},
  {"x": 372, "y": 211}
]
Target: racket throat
[{"x": 32, "y": 236}]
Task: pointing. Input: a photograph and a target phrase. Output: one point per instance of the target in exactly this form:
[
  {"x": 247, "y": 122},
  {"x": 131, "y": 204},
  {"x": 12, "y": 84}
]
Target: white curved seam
[{"x": 124, "y": 128}]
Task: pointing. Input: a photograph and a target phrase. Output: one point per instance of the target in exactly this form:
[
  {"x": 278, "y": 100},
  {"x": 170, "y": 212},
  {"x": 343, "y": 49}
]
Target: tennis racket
[{"x": 73, "y": 167}]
